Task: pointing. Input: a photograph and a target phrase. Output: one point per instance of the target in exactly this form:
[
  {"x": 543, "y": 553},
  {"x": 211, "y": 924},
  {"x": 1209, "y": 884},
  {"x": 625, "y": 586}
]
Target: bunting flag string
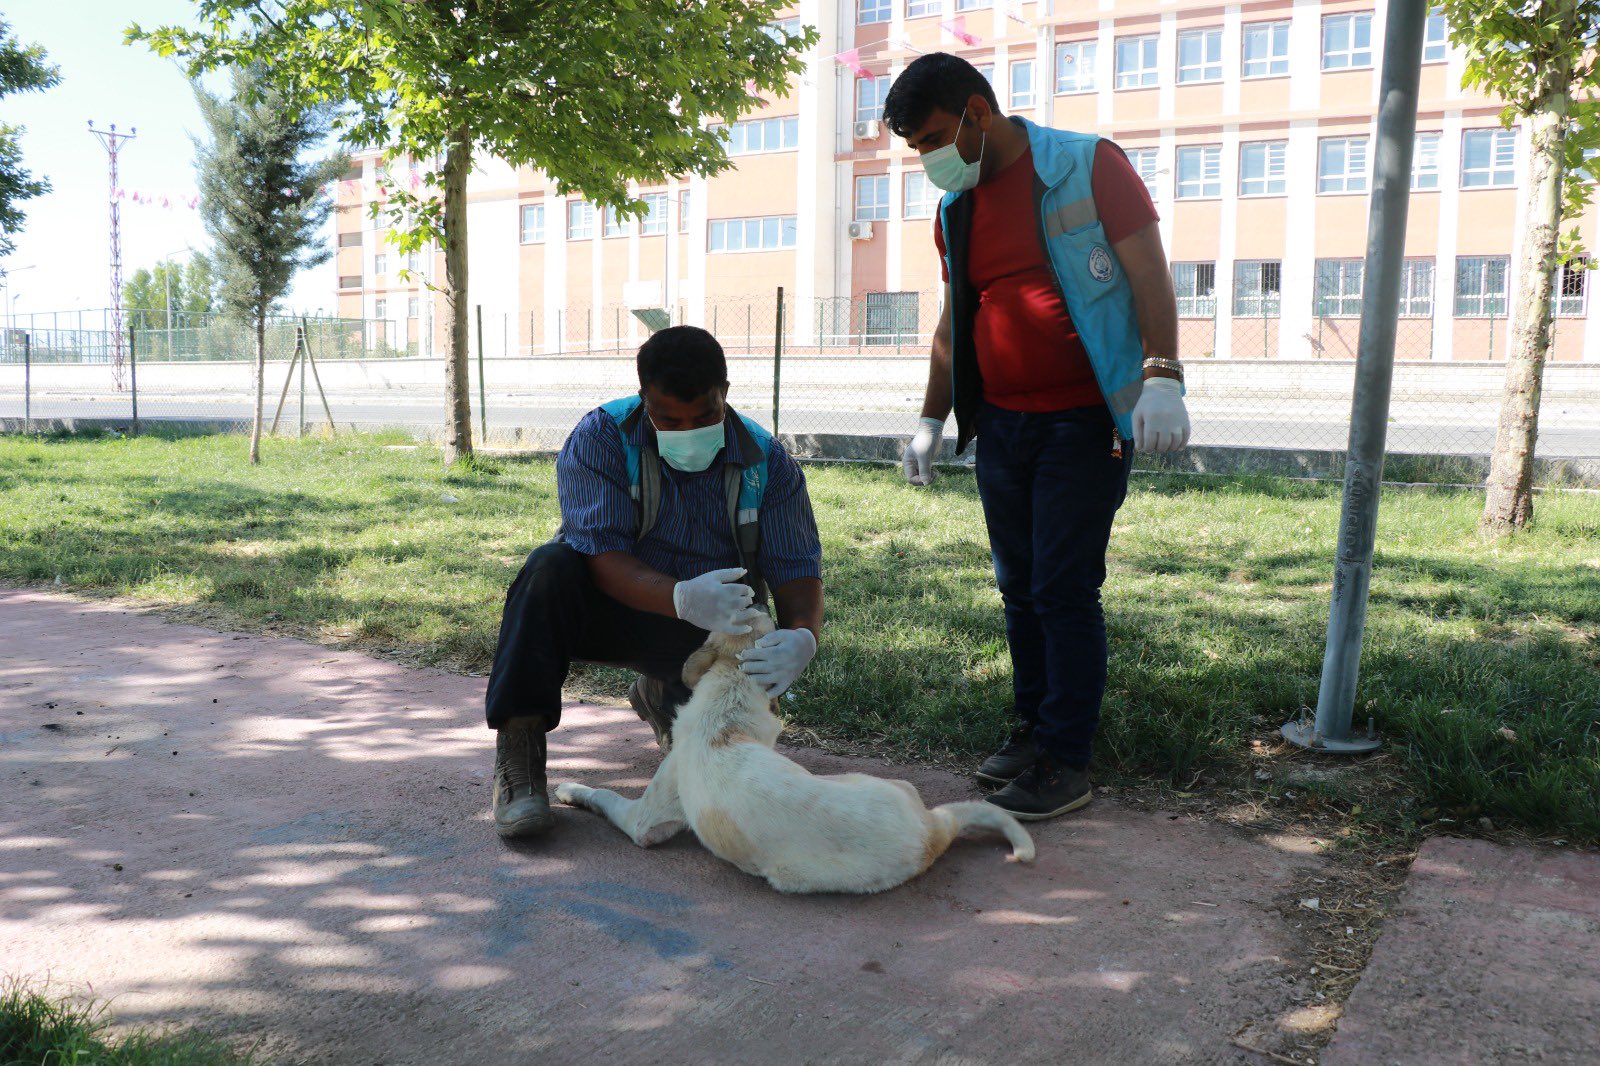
[
  {"x": 152, "y": 199},
  {"x": 957, "y": 28},
  {"x": 852, "y": 58}
]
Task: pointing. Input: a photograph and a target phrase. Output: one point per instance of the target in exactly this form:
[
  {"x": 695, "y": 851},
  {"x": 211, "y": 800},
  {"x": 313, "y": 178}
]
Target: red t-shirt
[{"x": 1028, "y": 349}]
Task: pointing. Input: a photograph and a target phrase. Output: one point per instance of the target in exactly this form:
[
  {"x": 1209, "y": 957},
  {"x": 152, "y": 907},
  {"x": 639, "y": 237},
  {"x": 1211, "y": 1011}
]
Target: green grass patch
[
  {"x": 1480, "y": 665},
  {"x": 37, "y": 1030}
]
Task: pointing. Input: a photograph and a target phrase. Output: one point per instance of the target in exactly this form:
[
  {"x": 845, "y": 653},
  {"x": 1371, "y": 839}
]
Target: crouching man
[{"x": 677, "y": 515}]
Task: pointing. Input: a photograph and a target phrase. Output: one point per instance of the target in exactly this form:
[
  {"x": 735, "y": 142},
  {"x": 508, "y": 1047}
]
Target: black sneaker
[
  {"x": 1015, "y": 756},
  {"x": 1047, "y": 788}
]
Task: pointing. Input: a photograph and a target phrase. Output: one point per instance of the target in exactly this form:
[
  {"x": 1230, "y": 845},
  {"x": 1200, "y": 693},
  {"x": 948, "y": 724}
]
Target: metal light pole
[{"x": 1380, "y": 305}]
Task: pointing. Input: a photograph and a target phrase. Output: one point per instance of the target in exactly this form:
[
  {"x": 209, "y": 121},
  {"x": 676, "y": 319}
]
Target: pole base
[{"x": 1303, "y": 733}]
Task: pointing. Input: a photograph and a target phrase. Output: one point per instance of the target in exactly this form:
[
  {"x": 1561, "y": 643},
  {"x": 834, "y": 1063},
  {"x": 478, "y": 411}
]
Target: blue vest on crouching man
[
  {"x": 745, "y": 484},
  {"x": 1091, "y": 281}
]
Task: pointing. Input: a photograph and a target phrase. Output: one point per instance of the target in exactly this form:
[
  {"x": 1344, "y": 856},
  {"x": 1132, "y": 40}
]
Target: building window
[
  {"x": 1075, "y": 67},
  {"x": 655, "y": 219},
  {"x": 380, "y": 309},
  {"x": 922, "y": 195},
  {"x": 1416, "y": 289},
  {"x": 1488, "y": 157},
  {"x": 413, "y": 306},
  {"x": 1342, "y": 164},
  {"x": 870, "y": 94},
  {"x": 1266, "y": 49},
  {"x": 1436, "y": 38},
  {"x": 870, "y": 11},
  {"x": 380, "y": 265},
  {"x": 350, "y": 239},
  {"x": 1338, "y": 288},
  {"x": 1196, "y": 286},
  {"x": 683, "y": 210},
  {"x": 1200, "y": 56},
  {"x": 580, "y": 220},
  {"x": 1263, "y": 168},
  {"x": 532, "y": 223},
  {"x": 1199, "y": 171},
  {"x": 350, "y": 281},
  {"x": 1425, "y": 162},
  {"x": 1021, "y": 84},
  {"x": 615, "y": 224},
  {"x": 1573, "y": 286},
  {"x": 783, "y": 29},
  {"x": 987, "y": 70},
  {"x": 1347, "y": 41},
  {"x": 891, "y": 317},
  {"x": 1481, "y": 286},
  {"x": 872, "y": 198},
  {"x": 1144, "y": 164},
  {"x": 753, "y": 234},
  {"x": 921, "y": 9},
  {"x": 973, "y": 5},
  {"x": 1136, "y": 61},
  {"x": 1256, "y": 287},
  {"x": 762, "y": 135}
]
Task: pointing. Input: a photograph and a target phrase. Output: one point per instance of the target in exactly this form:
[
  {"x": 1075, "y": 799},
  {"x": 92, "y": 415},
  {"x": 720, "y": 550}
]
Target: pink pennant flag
[
  {"x": 416, "y": 181},
  {"x": 1015, "y": 15},
  {"x": 194, "y": 202},
  {"x": 165, "y": 202},
  {"x": 852, "y": 58},
  {"x": 752, "y": 91},
  {"x": 348, "y": 187},
  {"x": 957, "y": 28},
  {"x": 118, "y": 194}
]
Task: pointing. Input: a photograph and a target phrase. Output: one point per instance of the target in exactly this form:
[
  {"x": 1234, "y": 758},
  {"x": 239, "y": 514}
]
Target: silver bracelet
[{"x": 1157, "y": 363}]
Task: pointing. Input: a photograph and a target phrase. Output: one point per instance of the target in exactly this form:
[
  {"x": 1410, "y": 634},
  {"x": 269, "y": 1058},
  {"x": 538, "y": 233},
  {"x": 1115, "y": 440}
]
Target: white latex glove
[
  {"x": 778, "y": 658},
  {"x": 920, "y": 450},
  {"x": 714, "y": 601},
  {"x": 1160, "y": 421}
]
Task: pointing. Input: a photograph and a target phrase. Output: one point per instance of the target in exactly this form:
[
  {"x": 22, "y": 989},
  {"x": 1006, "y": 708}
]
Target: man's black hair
[
  {"x": 682, "y": 361},
  {"x": 936, "y": 81}
]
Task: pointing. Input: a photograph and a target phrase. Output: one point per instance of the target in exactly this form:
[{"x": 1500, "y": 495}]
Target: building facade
[{"x": 1251, "y": 123}]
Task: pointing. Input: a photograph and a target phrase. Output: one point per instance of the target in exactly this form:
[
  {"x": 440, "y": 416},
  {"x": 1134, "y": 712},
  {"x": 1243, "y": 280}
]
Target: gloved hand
[
  {"x": 714, "y": 601},
  {"x": 778, "y": 658},
  {"x": 920, "y": 450},
  {"x": 1160, "y": 421}
]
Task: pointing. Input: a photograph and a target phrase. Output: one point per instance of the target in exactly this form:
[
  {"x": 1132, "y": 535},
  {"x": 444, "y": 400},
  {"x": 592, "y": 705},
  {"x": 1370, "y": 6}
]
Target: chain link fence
[{"x": 819, "y": 370}]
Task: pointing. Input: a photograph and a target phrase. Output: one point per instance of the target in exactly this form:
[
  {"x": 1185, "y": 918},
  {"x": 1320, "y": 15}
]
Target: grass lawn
[
  {"x": 37, "y": 1029},
  {"x": 1481, "y": 666}
]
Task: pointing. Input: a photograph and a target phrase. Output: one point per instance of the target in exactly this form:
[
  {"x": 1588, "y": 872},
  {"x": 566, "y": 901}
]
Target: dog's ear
[{"x": 697, "y": 664}]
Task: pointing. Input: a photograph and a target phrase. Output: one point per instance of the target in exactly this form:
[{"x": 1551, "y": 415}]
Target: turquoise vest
[
  {"x": 1091, "y": 280},
  {"x": 746, "y": 484}
]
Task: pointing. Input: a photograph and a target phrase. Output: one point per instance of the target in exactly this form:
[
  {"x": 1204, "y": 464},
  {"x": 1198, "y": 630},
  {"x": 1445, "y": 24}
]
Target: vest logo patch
[{"x": 1100, "y": 263}]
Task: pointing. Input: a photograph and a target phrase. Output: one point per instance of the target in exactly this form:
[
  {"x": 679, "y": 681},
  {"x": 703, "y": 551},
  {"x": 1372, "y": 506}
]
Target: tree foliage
[
  {"x": 1510, "y": 49},
  {"x": 191, "y": 286},
  {"x": 23, "y": 68},
  {"x": 596, "y": 95}
]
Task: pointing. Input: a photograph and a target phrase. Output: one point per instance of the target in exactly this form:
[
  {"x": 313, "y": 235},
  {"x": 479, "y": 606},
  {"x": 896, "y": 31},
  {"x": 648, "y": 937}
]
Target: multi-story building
[{"x": 1251, "y": 123}]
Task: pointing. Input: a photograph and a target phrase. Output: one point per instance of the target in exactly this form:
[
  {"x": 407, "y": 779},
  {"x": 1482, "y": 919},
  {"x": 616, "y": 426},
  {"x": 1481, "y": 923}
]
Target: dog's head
[{"x": 725, "y": 647}]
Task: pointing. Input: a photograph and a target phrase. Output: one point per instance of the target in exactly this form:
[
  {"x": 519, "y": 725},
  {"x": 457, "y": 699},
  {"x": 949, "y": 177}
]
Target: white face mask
[
  {"x": 689, "y": 450},
  {"x": 947, "y": 170}
]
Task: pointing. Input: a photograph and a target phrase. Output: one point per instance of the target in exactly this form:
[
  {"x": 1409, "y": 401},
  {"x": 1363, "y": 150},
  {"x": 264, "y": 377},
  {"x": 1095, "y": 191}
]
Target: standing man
[
  {"x": 1057, "y": 350},
  {"x": 677, "y": 513}
]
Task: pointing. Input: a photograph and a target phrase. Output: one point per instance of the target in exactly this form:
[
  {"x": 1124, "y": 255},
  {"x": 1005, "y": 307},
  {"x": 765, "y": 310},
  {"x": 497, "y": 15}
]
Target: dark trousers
[
  {"x": 1050, "y": 487},
  {"x": 555, "y": 615}
]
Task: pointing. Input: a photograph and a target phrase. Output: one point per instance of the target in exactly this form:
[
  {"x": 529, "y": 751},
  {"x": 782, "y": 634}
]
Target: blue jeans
[{"x": 1050, "y": 487}]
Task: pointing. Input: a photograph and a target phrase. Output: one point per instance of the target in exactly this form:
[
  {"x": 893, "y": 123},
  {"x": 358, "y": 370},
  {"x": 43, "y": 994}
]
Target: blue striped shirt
[{"x": 692, "y": 533}]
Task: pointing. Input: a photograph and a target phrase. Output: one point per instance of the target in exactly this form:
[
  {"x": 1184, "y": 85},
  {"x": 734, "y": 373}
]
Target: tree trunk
[
  {"x": 261, "y": 383},
  {"x": 458, "y": 397},
  {"x": 1508, "y": 504}
]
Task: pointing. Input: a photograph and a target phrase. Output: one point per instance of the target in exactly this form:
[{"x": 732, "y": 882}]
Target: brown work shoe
[
  {"x": 521, "y": 807},
  {"x": 649, "y": 699}
]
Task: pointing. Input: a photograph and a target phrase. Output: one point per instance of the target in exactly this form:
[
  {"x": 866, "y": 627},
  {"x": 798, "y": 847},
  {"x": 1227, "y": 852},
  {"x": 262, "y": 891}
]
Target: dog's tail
[{"x": 988, "y": 816}]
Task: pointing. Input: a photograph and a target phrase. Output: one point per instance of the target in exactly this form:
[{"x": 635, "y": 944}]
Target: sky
[{"x": 62, "y": 259}]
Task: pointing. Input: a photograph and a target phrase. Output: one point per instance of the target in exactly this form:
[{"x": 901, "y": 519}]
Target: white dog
[{"x": 767, "y": 815}]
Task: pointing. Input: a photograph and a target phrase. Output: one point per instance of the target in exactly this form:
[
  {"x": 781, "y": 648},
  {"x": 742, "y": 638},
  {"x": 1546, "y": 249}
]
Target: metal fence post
[
  {"x": 777, "y": 361},
  {"x": 300, "y": 412},
  {"x": 133, "y": 380},
  {"x": 483, "y": 413},
  {"x": 1369, "y": 415},
  {"x": 27, "y": 382}
]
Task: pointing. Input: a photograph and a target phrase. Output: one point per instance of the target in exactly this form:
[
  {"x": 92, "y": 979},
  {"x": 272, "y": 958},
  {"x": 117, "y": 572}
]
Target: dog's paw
[{"x": 572, "y": 793}]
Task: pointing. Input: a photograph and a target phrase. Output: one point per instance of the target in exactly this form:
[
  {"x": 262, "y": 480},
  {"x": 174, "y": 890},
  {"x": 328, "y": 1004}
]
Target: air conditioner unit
[
  {"x": 866, "y": 131},
  {"x": 861, "y": 231}
]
